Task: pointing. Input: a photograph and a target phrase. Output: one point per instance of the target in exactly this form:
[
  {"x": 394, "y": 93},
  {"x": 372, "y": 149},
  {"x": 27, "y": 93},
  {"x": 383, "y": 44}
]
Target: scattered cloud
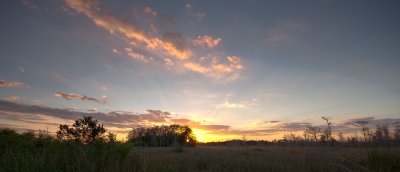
[
  {"x": 285, "y": 31},
  {"x": 243, "y": 104},
  {"x": 137, "y": 56},
  {"x": 216, "y": 69},
  {"x": 168, "y": 62},
  {"x": 188, "y": 6},
  {"x": 30, "y": 4},
  {"x": 200, "y": 15},
  {"x": 69, "y": 96},
  {"x": 21, "y": 69},
  {"x": 275, "y": 121},
  {"x": 92, "y": 110},
  {"x": 4, "y": 83},
  {"x": 150, "y": 11},
  {"x": 207, "y": 41},
  {"x": 103, "y": 19},
  {"x": 12, "y": 98},
  {"x": 115, "y": 51},
  {"x": 170, "y": 48},
  {"x": 229, "y": 105}
]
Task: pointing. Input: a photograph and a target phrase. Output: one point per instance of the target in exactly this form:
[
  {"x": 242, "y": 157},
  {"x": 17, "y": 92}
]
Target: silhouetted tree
[
  {"x": 313, "y": 131},
  {"x": 363, "y": 128},
  {"x": 328, "y": 130},
  {"x": 381, "y": 136},
  {"x": 111, "y": 137},
  {"x": 84, "y": 130},
  {"x": 396, "y": 132},
  {"x": 341, "y": 137},
  {"x": 162, "y": 136}
]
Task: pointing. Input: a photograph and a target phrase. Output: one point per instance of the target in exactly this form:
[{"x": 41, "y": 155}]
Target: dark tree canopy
[
  {"x": 162, "y": 136},
  {"x": 84, "y": 130}
]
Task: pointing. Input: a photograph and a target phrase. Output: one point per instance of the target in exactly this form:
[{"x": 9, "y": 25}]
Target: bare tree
[
  {"x": 313, "y": 131},
  {"x": 363, "y": 128},
  {"x": 378, "y": 137},
  {"x": 341, "y": 137},
  {"x": 328, "y": 130},
  {"x": 396, "y": 132}
]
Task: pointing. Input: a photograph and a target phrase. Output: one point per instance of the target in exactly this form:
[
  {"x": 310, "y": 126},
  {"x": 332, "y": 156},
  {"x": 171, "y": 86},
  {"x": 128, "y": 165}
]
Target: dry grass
[
  {"x": 257, "y": 158},
  {"x": 29, "y": 153}
]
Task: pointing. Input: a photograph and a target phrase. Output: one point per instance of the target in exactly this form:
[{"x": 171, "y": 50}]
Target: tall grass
[
  {"x": 30, "y": 152},
  {"x": 27, "y": 152},
  {"x": 383, "y": 160}
]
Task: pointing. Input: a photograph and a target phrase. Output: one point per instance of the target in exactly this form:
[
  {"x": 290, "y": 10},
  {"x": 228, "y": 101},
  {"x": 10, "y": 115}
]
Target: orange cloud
[
  {"x": 196, "y": 68},
  {"x": 94, "y": 11},
  {"x": 4, "y": 83},
  {"x": 138, "y": 56},
  {"x": 206, "y": 40},
  {"x": 171, "y": 48}
]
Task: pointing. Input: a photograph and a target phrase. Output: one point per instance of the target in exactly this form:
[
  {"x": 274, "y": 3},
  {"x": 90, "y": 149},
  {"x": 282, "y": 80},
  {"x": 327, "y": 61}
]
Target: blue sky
[{"x": 227, "y": 63}]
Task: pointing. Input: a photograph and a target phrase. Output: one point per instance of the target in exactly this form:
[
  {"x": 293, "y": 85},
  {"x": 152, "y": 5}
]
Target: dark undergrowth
[{"x": 35, "y": 152}]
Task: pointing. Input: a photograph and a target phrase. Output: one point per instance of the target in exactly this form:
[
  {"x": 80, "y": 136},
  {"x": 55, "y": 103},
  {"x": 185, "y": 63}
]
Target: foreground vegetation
[
  {"x": 85, "y": 146},
  {"x": 39, "y": 152}
]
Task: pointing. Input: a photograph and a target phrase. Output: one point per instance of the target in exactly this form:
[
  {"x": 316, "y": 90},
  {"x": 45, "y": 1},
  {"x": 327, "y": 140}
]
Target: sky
[{"x": 227, "y": 69}]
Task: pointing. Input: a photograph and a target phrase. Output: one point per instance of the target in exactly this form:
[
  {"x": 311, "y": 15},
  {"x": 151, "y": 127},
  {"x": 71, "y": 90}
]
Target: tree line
[
  {"x": 162, "y": 136},
  {"x": 88, "y": 130},
  {"x": 382, "y": 135}
]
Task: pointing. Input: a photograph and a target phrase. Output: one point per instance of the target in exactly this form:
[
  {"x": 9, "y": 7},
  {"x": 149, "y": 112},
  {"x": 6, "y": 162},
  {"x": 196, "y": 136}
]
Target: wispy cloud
[
  {"x": 230, "y": 105},
  {"x": 170, "y": 48},
  {"x": 242, "y": 104},
  {"x": 12, "y": 98},
  {"x": 4, "y": 83},
  {"x": 30, "y": 4},
  {"x": 285, "y": 31},
  {"x": 69, "y": 96}
]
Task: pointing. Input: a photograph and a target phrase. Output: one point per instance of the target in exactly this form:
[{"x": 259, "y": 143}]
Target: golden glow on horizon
[{"x": 206, "y": 136}]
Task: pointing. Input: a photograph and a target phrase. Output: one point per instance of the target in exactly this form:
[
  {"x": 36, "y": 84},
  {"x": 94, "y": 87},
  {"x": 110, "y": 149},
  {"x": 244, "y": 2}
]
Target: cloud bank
[{"x": 124, "y": 120}]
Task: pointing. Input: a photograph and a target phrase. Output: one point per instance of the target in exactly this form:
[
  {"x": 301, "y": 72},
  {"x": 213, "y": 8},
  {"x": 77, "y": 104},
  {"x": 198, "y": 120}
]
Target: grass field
[
  {"x": 27, "y": 152},
  {"x": 267, "y": 158},
  {"x": 121, "y": 157}
]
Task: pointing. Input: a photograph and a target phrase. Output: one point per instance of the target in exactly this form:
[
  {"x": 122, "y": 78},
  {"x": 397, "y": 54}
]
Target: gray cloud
[
  {"x": 120, "y": 119},
  {"x": 70, "y": 96}
]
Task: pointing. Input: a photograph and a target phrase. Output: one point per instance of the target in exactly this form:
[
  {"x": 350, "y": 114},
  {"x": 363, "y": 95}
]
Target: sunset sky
[{"x": 226, "y": 68}]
